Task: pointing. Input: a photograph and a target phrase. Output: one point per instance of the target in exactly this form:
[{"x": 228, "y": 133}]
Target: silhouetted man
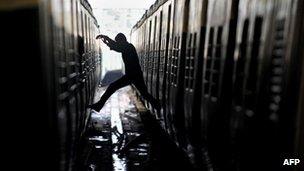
[{"x": 133, "y": 71}]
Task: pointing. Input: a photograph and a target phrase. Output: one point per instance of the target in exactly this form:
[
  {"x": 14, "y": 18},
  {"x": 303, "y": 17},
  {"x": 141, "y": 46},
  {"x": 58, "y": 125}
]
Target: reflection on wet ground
[{"x": 122, "y": 137}]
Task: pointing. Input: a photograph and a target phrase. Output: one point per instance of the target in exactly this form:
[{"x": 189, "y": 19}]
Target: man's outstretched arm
[{"x": 111, "y": 43}]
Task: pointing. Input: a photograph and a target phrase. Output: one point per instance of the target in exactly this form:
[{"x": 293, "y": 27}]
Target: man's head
[{"x": 120, "y": 38}]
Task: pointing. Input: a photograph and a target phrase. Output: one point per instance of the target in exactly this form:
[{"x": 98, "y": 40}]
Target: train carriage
[
  {"x": 158, "y": 18},
  {"x": 151, "y": 53},
  {"x": 299, "y": 140},
  {"x": 196, "y": 32},
  {"x": 175, "y": 75},
  {"x": 165, "y": 39},
  {"x": 217, "y": 79},
  {"x": 231, "y": 75},
  {"x": 150, "y": 56},
  {"x": 254, "y": 20},
  {"x": 56, "y": 37},
  {"x": 73, "y": 80},
  {"x": 77, "y": 76},
  {"x": 154, "y": 34},
  {"x": 140, "y": 39},
  {"x": 155, "y": 20},
  {"x": 266, "y": 78},
  {"x": 146, "y": 53}
]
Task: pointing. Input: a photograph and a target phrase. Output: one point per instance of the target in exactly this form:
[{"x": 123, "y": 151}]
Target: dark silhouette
[{"x": 133, "y": 71}]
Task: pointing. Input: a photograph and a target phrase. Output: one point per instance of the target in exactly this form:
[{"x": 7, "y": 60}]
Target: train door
[
  {"x": 167, "y": 78},
  {"x": 217, "y": 79},
  {"x": 84, "y": 57},
  {"x": 157, "y": 53},
  {"x": 144, "y": 42},
  {"x": 61, "y": 90},
  {"x": 253, "y": 22},
  {"x": 164, "y": 52},
  {"x": 70, "y": 80},
  {"x": 152, "y": 59},
  {"x": 193, "y": 71},
  {"x": 147, "y": 49},
  {"x": 264, "y": 99},
  {"x": 76, "y": 61},
  {"x": 176, "y": 62},
  {"x": 281, "y": 82},
  {"x": 149, "y": 54},
  {"x": 153, "y": 52},
  {"x": 141, "y": 42},
  {"x": 89, "y": 58},
  {"x": 286, "y": 65},
  {"x": 81, "y": 50}
]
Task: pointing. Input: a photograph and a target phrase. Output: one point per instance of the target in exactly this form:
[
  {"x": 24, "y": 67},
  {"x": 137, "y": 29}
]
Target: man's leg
[
  {"x": 142, "y": 88},
  {"x": 122, "y": 82}
]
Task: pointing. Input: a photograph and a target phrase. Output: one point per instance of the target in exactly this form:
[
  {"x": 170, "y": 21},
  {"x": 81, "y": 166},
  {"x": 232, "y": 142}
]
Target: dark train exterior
[
  {"x": 230, "y": 77},
  {"x": 56, "y": 67}
]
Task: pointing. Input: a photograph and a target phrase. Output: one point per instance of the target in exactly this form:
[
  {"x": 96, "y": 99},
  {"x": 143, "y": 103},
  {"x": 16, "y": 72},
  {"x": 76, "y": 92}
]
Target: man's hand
[
  {"x": 101, "y": 36},
  {"x": 104, "y": 38}
]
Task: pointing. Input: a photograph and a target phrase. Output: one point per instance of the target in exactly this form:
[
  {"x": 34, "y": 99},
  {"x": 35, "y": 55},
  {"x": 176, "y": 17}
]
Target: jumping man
[{"x": 133, "y": 74}]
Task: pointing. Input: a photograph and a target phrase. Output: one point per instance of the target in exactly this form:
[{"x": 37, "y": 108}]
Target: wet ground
[{"x": 124, "y": 136}]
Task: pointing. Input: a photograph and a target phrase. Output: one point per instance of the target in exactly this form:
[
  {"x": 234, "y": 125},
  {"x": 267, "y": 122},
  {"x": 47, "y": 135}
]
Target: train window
[
  {"x": 141, "y": 40},
  {"x": 168, "y": 31},
  {"x": 253, "y": 64},
  {"x": 60, "y": 53},
  {"x": 277, "y": 69},
  {"x": 73, "y": 23},
  {"x": 89, "y": 34},
  {"x": 176, "y": 59},
  {"x": 187, "y": 64},
  {"x": 240, "y": 65},
  {"x": 186, "y": 15},
  {"x": 150, "y": 48},
  {"x": 167, "y": 51},
  {"x": 160, "y": 26},
  {"x": 150, "y": 31},
  {"x": 85, "y": 33},
  {"x": 191, "y": 84},
  {"x": 174, "y": 67},
  {"x": 73, "y": 63},
  {"x": 216, "y": 63},
  {"x": 155, "y": 42},
  {"x": 77, "y": 18},
  {"x": 174, "y": 56},
  {"x": 171, "y": 63},
  {"x": 80, "y": 41},
  {"x": 161, "y": 59},
  {"x": 208, "y": 62},
  {"x": 81, "y": 24}
]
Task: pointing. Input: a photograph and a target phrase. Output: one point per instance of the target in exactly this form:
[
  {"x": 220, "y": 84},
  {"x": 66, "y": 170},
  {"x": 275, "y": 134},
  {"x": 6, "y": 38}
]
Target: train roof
[
  {"x": 149, "y": 12},
  {"x": 88, "y": 7}
]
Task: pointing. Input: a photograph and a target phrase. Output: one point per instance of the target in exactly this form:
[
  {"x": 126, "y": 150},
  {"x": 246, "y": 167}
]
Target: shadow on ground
[{"x": 121, "y": 137}]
